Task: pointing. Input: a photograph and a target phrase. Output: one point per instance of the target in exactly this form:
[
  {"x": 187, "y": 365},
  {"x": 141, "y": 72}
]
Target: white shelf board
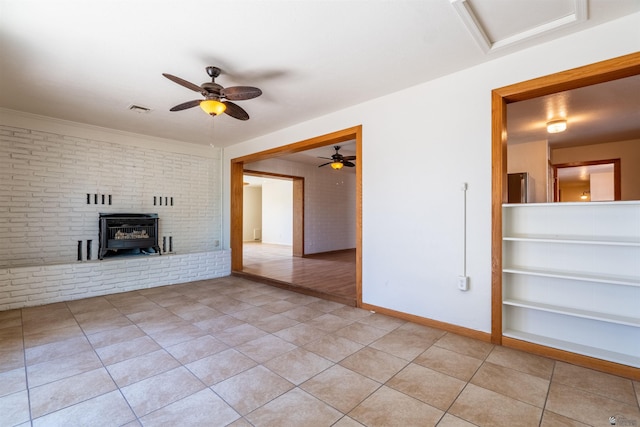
[
  {"x": 612, "y": 356},
  {"x": 560, "y": 204},
  {"x": 569, "y": 275},
  {"x": 586, "y": 314},
  {"x": 580, "y": 240}
]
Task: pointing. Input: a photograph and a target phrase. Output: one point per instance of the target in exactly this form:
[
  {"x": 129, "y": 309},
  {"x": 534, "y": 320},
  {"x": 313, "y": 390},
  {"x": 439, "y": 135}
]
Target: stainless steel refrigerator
[{"x": 518, "y": 187}]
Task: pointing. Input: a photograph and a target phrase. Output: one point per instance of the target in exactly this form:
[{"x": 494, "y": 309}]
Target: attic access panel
[{"x": 495, "y": 24}]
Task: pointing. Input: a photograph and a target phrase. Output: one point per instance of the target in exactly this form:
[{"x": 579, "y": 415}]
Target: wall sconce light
[
  {"x": 337, "y": 165},
  {"x": 557, "y": 126}
]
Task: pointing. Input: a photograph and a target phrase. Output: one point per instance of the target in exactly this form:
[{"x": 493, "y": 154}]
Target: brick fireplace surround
[{"x": 60, "y": 176}]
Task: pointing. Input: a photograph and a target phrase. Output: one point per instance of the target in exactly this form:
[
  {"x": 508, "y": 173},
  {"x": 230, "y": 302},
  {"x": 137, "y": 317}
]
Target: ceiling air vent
[{"x": 139, "y": 108}]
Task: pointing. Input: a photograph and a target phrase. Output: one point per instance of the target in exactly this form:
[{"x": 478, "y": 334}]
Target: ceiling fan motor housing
[
  {"x": 213, "y": 71},
  {"x": 211, "y": 89}
]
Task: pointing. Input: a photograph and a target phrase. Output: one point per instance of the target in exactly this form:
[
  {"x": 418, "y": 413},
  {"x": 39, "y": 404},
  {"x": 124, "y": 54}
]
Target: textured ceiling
[{"x": 88, "y": 61}]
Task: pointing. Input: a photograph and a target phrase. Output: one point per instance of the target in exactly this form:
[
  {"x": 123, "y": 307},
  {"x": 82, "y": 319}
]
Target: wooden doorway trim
[
  {"x": 236, "y": 188},
  {"x": 297, "y": 247},
  {"x": 617, "y": 177},
  {"x": 298, "y": 217},
  {"x": 600, "y": 72}
]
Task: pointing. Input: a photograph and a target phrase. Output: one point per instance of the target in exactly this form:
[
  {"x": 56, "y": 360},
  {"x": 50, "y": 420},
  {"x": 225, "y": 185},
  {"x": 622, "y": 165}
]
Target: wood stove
[{"x": 128, "y": 232}]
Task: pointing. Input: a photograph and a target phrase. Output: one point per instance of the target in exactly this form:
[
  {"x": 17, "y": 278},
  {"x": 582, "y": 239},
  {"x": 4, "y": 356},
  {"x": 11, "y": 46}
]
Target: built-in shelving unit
[{"x": 571, "y": 277}]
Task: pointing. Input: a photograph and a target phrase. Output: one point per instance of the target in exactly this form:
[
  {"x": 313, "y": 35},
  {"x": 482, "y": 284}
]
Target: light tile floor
[{"x": 233, "y": 352}]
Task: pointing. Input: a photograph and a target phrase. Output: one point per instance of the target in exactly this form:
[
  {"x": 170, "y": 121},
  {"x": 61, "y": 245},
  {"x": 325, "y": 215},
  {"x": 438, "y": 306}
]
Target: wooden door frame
[
  {"x": 600, "y": 72},
  {"x": 236, "y": 188},
  {"x": 617, "y": 177},
  {"x": 297, "y": 247}
]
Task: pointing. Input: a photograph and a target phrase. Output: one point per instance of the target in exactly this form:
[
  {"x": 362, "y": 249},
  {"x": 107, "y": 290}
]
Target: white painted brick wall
[
  {"x": 45, "y": 178},
  {"x": 31, "y": 286}
]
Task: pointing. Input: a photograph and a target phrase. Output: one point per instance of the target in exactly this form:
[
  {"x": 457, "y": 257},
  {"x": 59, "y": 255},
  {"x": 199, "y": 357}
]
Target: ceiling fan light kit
[
  {"x": 217, "y": 99},
  {"x": 212, "y": 107},
  {"x": 338, "y": 161}
]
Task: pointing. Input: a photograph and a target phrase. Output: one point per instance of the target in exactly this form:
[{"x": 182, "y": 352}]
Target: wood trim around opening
[
  {"x": 236, "y": 172},
  {"x": 297, "y": 182},
  {"x": 600, "y": 72},
  {"x": 298, "y": 217},
  {"x": 617, "y": 176}
]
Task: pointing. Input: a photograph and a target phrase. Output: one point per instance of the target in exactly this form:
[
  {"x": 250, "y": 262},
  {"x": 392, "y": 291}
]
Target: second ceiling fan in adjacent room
[{"x": 338, "y": 161}]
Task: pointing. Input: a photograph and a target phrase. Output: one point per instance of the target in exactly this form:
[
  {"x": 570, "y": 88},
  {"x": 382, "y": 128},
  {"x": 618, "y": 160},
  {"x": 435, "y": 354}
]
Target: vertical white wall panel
[{"x": 277, "y": 211}]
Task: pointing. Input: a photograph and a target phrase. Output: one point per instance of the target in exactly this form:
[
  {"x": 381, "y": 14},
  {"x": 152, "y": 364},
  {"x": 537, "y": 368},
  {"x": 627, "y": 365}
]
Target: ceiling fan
[
  {"x": 338, "y": 161},
  {"x": 217, "y": 99}
]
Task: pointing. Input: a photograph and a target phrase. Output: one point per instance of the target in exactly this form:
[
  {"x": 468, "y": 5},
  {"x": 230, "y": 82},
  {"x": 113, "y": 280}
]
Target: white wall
[
  {"x": 251, "y": 212},
  {"x": 329, "y": 203},
  {"x": 602, "y": 186},
  {"x": 412, "y": 212},
  {"x": 277, "y": 212}
]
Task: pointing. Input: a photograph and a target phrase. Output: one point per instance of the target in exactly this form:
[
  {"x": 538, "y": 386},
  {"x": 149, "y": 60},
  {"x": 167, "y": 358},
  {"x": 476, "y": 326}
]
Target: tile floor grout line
[
  {"x": 180, "y": 364},
  {"x": 368, "y": 396},
  {"x": 344, "y": 414},
  {"x": 228, "y": 403},
  {"x": 546, "y": 397},
  {"x": 295, "y": 386},
  {"x": 103, "y": 366},
  {"x": 263, "y": 365},
  {"x": 26, "y": 373},
  {"x": 239, "y": 373},
  {"x": 467, "y": 382},
  {"x": 183, "y": 365},
  {"x": 520, "y": 372},
  {"x": 172, "y": 356},
  {"x": 589, "y": 391},
  {"x": 444, "y": 412}
]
